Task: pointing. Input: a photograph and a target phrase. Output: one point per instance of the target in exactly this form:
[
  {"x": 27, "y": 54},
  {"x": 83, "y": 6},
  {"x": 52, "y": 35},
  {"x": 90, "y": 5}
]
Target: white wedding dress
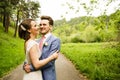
[{"x": 36, "y": 75}]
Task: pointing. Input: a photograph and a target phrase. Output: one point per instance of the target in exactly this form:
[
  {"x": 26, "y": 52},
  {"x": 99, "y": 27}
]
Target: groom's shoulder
[{"x": 54, "y": 37}]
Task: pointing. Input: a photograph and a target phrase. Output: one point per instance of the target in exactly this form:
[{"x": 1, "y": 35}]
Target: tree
[
  {"x": 6, "y": 7},
  {"x": 5, "y": 12},
  {"x": 18, "y": 10},
  {"x": 91, "y": 5},
  {"x": 26, "y": 10}
]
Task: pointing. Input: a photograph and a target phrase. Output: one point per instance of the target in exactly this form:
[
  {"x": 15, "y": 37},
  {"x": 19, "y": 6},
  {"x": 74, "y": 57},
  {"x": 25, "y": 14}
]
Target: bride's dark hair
[{"x": 23, "y": 28}]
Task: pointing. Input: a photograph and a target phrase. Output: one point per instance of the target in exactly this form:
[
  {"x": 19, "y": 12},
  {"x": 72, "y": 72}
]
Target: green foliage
[
  {"x": 89, "y": 29},
  {"x": 90, "y": 34},
  {"x": 76, "y": 38},
  {"x": 97, "y": 61},
  {"x": 107, "y": 35},
  {"x": 11, "y": 51}
]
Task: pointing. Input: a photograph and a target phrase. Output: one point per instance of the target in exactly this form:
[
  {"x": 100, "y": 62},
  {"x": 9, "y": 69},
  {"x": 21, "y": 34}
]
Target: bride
[{"x": 28, "y": 31}]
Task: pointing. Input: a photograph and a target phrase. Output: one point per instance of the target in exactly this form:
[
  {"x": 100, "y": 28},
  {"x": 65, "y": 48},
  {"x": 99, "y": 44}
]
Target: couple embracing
[{"x": 40, "y": 53}]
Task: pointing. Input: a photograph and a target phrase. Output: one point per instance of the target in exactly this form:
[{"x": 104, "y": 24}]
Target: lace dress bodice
[{"x": 35, "y": 75}]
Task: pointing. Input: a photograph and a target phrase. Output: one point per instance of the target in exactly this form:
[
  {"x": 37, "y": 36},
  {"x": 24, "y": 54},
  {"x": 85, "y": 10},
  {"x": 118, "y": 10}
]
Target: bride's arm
[{"x": 34, "y": 56}]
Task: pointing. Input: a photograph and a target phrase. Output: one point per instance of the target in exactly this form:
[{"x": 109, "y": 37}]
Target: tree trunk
[
  {"x": 1, "y": 17},
  {"x": 107, "y": 21},
  {"x": 6, "y": 21},
  {"x": 16, "y": 27}
]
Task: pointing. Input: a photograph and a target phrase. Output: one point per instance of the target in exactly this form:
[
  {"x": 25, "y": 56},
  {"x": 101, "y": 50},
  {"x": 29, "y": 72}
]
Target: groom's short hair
[{"x": 51, "y": 22}]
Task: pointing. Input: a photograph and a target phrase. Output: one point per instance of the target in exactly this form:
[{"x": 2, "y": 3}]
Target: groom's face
[{"x": 45, "y": 27}]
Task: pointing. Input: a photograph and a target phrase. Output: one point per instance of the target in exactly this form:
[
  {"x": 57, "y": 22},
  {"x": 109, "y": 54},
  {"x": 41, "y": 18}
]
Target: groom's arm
[{"x": 54, "y": 47}]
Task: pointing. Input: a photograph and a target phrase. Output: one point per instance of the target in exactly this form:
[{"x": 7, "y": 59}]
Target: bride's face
[{"x": 34, "y": 30}]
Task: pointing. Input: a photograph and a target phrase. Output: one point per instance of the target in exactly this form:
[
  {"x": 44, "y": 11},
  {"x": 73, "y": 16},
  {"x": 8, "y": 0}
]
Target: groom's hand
[{"x": 27, "y": 68}]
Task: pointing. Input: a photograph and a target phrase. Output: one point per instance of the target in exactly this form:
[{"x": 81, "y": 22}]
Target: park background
[{"x": 92, "y": 43}]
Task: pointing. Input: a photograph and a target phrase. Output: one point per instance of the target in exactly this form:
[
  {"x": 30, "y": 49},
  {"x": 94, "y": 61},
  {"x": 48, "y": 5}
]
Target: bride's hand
[
  {"x": 27, "y": 68},
  {"x": 55, "y": 55}
]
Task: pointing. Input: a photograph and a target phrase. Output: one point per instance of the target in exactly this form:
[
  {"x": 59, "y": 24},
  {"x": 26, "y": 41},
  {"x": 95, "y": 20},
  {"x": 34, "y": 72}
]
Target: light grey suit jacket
[{"x": 52, "y": 45}]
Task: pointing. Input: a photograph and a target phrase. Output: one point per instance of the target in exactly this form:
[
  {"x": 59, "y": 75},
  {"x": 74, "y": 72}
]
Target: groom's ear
[{"x": 51, "y": 27}]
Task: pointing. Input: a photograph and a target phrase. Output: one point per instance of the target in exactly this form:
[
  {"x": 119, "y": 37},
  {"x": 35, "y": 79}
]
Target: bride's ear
[{"x": 29, "y": 31}]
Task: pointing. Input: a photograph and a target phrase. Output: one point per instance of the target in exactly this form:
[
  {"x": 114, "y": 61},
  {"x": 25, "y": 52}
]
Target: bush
[
  {"x": 77, "y": 38},
  {"x": 106, "y": 35}
]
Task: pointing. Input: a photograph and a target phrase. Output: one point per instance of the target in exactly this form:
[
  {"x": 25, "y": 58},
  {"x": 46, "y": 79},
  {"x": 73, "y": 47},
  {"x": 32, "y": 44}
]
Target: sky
[{"x": 58, "y": 8}]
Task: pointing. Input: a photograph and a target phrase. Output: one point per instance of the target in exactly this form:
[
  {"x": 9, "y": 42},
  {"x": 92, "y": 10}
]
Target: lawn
[
  {"x": 11, "y": 52},
  {"x": 97, "y": 61}
]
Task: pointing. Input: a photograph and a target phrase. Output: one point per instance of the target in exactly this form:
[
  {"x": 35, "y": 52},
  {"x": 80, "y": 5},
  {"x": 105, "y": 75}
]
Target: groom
[{"x": 49, "y": 46}]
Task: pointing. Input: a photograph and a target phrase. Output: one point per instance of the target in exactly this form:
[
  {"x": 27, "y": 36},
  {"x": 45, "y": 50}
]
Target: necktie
[{"x": 41, "y": 42}]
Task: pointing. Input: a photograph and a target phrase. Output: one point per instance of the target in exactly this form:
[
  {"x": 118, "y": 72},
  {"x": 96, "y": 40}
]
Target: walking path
[{"x": 64, "y": 68}]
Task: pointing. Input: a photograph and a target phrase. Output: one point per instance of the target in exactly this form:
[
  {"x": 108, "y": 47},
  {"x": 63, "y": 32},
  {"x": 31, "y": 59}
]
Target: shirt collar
[{"x": 47, "y": 35}]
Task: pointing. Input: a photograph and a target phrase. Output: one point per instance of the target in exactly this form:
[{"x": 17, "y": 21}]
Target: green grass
[
  {"x": 11, "y": 51},
  {"x": 97, "y": 61}
]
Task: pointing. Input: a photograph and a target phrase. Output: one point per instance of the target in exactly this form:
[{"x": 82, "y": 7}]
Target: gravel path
[{"x": 64, "y": 68}]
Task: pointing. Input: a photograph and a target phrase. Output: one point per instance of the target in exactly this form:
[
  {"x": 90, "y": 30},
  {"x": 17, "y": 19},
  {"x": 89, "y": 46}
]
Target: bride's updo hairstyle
[{"x": 23, "y": 28}]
